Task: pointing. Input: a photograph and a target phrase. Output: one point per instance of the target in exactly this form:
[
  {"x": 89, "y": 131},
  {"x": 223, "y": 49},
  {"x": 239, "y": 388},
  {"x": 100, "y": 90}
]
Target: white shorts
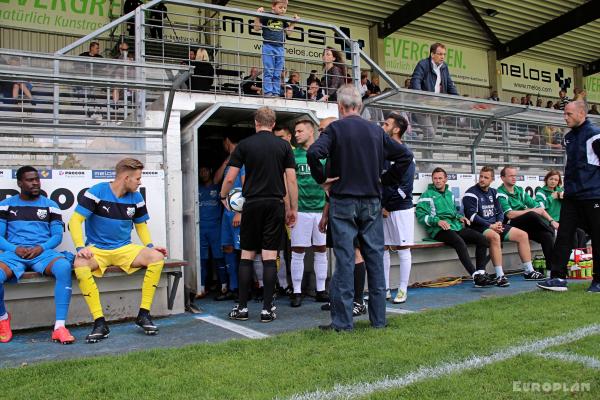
[
  {"x": 306, "y": 231},
  {"x": 399, "y": 228}
]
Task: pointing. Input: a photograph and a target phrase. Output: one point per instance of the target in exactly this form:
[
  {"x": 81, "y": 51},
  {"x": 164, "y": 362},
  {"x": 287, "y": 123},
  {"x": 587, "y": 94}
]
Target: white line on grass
[
  {"x": 392, "y": 310},
  {"x": 447, "y": 368},
  {"x": 240, "y": 330},
  {"x": 589, "y": 362}
]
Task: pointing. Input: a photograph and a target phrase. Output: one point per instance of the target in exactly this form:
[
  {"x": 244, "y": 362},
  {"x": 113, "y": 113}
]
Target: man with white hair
[{"x": 356, "y": 150}]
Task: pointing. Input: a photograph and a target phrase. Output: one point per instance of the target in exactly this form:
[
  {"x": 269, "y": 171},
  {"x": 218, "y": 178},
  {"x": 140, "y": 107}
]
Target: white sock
[
  {"x": 386, "y": 267},
  {"x": 528, "y": 266},
  {"x": 60, "y": 323},
  {"x": 297, "y": 270},
  {"x": 258, "y": 270},
  {"x": 282, "y": 273},
  {"x": 478, "y": 272},
  {"x": 321, "y": 270},
  {"x": 223, "y": 287},
  {"x": 499, "y": 271},
  {"x": 3, "y": 317},
  {"x": 405, "y": 264}
]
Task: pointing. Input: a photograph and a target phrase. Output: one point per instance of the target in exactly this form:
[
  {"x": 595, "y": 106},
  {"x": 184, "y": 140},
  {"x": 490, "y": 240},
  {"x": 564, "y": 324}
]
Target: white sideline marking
[
  {"x": 392, "y": 310},
  {"x": 247, "y": 332},
  {"x": 589, "y": 362},
  {"x": 447, "y": 368}
]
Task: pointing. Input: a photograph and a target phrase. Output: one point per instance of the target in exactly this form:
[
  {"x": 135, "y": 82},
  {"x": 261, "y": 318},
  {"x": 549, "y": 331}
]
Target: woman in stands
[
  {"x": 204, "y": 72},
  {"x": 334, "y": 73},
  {"x": 550, "y": 198}
]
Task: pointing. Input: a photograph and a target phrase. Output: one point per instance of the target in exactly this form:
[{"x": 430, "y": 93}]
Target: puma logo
[
  {"x": 106, "y": 208},
  {"x": 596, "y": 205},
  {"x": 13, "y": 212}
]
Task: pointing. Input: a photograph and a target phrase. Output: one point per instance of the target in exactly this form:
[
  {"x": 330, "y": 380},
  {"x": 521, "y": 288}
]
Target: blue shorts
[
  {"x": 210, "y": 237},
  {"x": 19, "y": 265},
  {"x": 230, "y": 236}
]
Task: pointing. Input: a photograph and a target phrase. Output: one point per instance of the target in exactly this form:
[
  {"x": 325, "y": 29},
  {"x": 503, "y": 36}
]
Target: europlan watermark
[{"x": 551, "y": 387}]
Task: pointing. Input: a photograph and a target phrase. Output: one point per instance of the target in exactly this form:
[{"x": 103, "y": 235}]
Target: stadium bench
[{"x": 172, "y": 269}]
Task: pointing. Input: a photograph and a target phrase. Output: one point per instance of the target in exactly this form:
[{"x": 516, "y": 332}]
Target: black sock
[
  {"x": 99, "y": 321},
  {"x": 143, "y": 312},
  {"x": 245, "y": 277},
  {"x": 360, "y": 271},
  {"x": 269, "y": 279}
]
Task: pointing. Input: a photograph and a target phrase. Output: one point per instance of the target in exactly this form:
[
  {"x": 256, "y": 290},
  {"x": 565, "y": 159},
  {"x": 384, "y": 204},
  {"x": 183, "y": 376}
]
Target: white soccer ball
[{"x": 236, "y": 200}]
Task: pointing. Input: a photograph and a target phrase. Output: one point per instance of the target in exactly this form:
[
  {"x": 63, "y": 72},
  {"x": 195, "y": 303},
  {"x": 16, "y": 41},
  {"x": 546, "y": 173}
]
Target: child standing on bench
[{"x": 273, "y": 53}]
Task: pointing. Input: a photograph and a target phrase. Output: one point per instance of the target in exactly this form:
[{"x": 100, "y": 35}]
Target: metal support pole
[
  {"x": 476, "y": 142},
  {"x": 356, "y": 63},
  {"x": 140, "y": 57}
]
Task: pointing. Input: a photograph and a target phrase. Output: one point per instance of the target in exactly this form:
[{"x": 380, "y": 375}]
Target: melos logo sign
[{"x": 527, "y": 76}]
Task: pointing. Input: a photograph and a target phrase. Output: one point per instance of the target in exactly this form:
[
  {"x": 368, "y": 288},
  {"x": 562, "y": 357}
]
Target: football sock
[
  {"x": 151, "y": 279},
  {"x": 89, "y": 290},
  {"x": 499, "y": 271},
  {"x": 386, "y": 267},
  {"x": 297, "y": 270},
  {"x": 2, "y": 306},
  {"x": 231, "y": 259},
  {"x": 62, "y": 287},
  {"x": 258, "y": 270},
  {"x": 245, "y": 279},
  {"x": 528, "y": 267},
  {"x": 221, "y": 271},
  {"x": 360, "y": 271},
  {"x": 270, "y": 276},
  {"x": 60, "y": 323},
  {"x": 203, "y": 271},
  {"x": 405, "y": 258},
  {"x": 320, "y": 270},
  {"x": 282, "y": 271}
]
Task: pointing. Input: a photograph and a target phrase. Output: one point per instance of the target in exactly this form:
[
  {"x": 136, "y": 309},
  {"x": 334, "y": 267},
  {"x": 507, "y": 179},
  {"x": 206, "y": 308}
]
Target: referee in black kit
[{"x": 268, "y": 161}]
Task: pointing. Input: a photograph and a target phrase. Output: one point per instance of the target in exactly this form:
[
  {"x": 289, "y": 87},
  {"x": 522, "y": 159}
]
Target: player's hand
[
  {"x": 290, "y": 217},
  {"x": 327, "y": 184},
  {"x": 33, "y": 252},
  {"x": 225, "y": 204},
  {"x": 465, "y": 221},
  {"x": 554, "y": 224},
  {"x": 237, "y": 220},
  {"x": 497, "y": 227},
  {"x": 323, "y": 224},
  {"x": 555, "y": 195},
  {"x": 86, "y": 253},
  {"x": 385, "y": 213},
  {"x": 444, "y": 225},
  {"x": 260, "y": 10},
  {"x": 22, "y": 251},
  {"x": 162, "y": 250}
]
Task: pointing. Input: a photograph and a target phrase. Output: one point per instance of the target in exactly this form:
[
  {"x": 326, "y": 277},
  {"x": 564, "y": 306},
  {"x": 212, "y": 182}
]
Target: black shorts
[{"x": 263, "y": 224}]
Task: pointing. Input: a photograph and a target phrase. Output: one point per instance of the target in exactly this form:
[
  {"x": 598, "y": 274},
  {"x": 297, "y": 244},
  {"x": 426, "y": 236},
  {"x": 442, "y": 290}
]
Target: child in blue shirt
[{"x": 273, "y": 53}]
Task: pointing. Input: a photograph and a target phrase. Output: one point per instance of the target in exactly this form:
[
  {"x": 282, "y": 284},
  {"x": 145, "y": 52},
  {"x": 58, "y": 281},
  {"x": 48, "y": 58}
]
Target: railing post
[
  {"x": 140, "y": 57},
  {"x": 355, "y": 63}
]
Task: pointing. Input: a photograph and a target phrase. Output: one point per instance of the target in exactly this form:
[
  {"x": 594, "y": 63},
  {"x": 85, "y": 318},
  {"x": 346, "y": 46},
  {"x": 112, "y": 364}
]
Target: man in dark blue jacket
[
  {"x": 432, "y": 75},
  {"x": 357, "y": 150},
  {"x": 581, "y": 201}
]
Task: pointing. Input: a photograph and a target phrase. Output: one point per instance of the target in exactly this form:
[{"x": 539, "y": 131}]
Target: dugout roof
[{"x": 559, "y": 31}]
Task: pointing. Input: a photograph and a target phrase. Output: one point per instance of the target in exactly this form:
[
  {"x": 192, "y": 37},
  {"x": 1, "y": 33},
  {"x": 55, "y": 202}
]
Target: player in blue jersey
[
  {"x": 483, "y": 209},
  {"x": 210, "y": 228},
  {"x": 110, "y": 210},
  {"x": 230, "y": 227},
  {"x": 31, "y": 227}
]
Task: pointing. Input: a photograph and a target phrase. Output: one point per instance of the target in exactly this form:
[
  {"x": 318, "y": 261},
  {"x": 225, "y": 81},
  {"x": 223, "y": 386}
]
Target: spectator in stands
[
  {"x": 552, "y": 137},
  {"x": 270, "y": 172},
  {"x": 109, "y": 210},
  {"x": 314, "y": 91},
  {"x": 305, "y": 234},
  {"x": 539, "y": 102},
  {"x": 364, "y": 84},
  {"x": 432, "y": 75},
  {"x": 581, "y": 203},
  {"x": 313, "y": 77},
  {"x": 356, "y": 150},
  {"x": 398, "y": 214},
  {"x": 289, "y": 92},
  {"x": 334, "y": 73},
  {"x": 483, "y": 209},
  {"x": 122, "y": 73},
  {"x": 563, "y": 99},
  {"x": 521, "y": 211},
  {"x": 31, "y": 227},
  {"x": 210, "y": 228},
  {"x": 594, "y": 110},
  {"x": 230, "y": 225},
  {"x": 494, "y": 96},
  {"x": 156, "y": 17},
  {"x": 550, "y": 198},
  {"x": 514, "y": 100},
  {"x": 204, "y": 72},
  {"x": 436, "y": 210},
  {"x": 21, "y": 90},
  {"x": 373, "y": 86},
  {"x": 407, "y": 83},
  {"x": 94, "y": 51},
  {"x": 128, "y": 7},
  {"x": 549, "y": 104},
  {"x": 274, "y": 32},
  {"x": 523, "y": 101},
  {"x": 252, "y": 84},
  {"x": 294, "y": 83},
  {"x": 580, "y": 95},
  {"x": 528, "y": 101}
]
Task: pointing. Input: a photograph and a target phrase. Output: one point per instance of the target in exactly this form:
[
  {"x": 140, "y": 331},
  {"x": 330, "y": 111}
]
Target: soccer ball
[{"x": 236, "y": 200}]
